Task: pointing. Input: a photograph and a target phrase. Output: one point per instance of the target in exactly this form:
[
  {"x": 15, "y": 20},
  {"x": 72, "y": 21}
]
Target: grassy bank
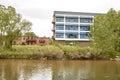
[
  {"x": 32, "y": 52},
  {"x": 53, "y": 52}
]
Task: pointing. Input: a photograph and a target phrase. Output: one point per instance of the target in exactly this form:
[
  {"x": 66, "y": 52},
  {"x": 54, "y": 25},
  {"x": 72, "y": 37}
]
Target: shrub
[
  {"x": 111, "y": 53},
  {"x": 75, "y": 52}
]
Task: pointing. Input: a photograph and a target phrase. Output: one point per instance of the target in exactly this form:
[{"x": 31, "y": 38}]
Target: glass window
[
  {"x": 59, "y": 27},
  {"x": 86, "y": 20},
  {"x": 84, "y": 27},
  {"x": 71, "y": 27},
  {"x": 59, "y": 19},
  {"x": 71, "y": 19},
  {"x": 59, "y": 35},
  {"x": 84, "y": 35},
  {"x": 71, "y": 35}
]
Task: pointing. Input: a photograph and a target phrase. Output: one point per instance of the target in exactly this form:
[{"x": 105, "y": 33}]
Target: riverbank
[
  {"x": 50, "y": 52},
  {"x": 32, "y": 52}
]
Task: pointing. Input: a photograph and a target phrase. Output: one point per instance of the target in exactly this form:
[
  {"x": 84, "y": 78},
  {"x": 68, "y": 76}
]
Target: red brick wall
[{"x": 33, "y": 41}]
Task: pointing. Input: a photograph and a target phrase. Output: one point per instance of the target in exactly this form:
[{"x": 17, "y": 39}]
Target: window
[
  {"x": 59, "y": 35},
  {"x": 71, "y": 19},
  {"x": 86, "y": 20},
  {"x": 59, "y": 27},
  {"x": 84, "y": 27},
  {"x": 71, "y": 27},
  {"x": 84, "y": 35},
  {"x": 59, "y": 19},
  {"x": 71, "y": 35}
]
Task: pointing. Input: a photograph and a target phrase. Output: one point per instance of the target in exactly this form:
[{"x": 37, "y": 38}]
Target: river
[{"x": 15, "y": 69}]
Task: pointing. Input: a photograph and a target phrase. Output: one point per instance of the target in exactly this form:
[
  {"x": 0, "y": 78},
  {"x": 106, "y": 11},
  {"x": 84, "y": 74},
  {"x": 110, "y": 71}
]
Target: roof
[{"x": 77, "y": 13}]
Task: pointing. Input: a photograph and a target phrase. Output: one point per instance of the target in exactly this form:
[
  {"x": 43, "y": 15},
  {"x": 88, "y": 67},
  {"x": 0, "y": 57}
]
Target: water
[{"x": 59, "y": 70}]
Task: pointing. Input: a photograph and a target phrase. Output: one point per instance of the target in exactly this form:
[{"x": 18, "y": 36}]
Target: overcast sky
[{"x": 40, "y": 12}]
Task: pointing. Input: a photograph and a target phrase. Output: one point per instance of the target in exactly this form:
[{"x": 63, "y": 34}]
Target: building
[
  {"x": 32, "y": 40},
  {"x": 72, "y": 26}
]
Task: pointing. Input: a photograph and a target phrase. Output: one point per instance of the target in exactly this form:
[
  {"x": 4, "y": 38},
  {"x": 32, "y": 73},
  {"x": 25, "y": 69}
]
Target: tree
[
  {"x": 117, "y": 33},
  {"x": 30, "y": 34},
  {"x": 105, "y": 31},
  {"x": 11, "y": 25}
]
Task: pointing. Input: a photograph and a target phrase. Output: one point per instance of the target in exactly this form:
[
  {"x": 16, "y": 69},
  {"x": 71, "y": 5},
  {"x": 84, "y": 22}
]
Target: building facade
[
  {"x": 32, "y": 40},
  {"x": 72, "y": 26}
]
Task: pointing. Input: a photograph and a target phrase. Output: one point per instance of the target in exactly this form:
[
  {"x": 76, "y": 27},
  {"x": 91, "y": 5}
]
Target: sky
[{"x": 40, "y": 12}]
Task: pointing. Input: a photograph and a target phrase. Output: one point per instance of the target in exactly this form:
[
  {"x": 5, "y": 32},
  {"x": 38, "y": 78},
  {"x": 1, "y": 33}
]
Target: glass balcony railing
[
  {"x": 86, "y": 20},
  {"x": 59, "y": 27},
  {"x": 59, "y": 35},
  {"x": 59, "y": 19},
  {"x": 71, "y": 27},
  {"x": 71, "y": 35},
  {"x": 71, "y": 19},
  {"x": 84, "y": 35},
  {"x": 85, "y": 28}
]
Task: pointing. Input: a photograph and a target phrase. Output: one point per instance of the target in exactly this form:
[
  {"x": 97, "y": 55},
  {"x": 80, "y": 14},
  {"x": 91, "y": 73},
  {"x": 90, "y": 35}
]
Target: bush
[
  {"x": 75, "y": 52},
  {"x": 111, "y": 53}
]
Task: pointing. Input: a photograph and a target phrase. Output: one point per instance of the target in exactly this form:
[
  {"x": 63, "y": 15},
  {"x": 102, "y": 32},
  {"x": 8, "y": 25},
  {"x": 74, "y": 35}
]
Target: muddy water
[{"x": 59, "y": 70}]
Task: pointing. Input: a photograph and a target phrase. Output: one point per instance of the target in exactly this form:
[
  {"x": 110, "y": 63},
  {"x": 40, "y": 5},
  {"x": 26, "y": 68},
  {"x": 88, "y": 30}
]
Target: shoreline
[{"x": 52, "y": 52}]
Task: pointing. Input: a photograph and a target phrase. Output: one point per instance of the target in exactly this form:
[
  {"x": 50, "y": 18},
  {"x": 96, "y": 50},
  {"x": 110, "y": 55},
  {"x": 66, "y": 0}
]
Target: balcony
[
  {"x": 86, "y": 20},
  {"x": 59, "y": 19},
  {"x": 53, "y": 21},
  {"x": 85, "y": 28},
  {"x": 71, "y": 19},
  {"x": 71, "y": 27},
  {"x": 71, "y": 35},
  {"x": 53, "y": 29},
  {"x": 85, "y": 35}
]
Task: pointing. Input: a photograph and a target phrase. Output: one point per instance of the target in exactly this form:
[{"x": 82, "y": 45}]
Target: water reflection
[{"x": 59, "y": 70}]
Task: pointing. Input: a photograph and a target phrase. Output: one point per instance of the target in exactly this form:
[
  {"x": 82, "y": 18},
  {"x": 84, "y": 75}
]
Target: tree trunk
[{"x": 8, "y": 44}]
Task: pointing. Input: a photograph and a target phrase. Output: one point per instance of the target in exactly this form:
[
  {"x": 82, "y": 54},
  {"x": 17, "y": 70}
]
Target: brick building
[{"x": 32, "y": 40}]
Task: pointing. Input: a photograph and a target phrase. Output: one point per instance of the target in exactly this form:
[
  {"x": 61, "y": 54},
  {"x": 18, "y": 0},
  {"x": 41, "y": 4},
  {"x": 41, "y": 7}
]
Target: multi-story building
[{"x": 72, "y": 26}]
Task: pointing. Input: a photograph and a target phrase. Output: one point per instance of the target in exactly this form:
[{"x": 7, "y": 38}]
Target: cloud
[
  {"x": 36, "y": 13},
  {"x": 41, "y": 27}
]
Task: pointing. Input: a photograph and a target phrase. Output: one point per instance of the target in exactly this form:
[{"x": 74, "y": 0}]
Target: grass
[
  {"x": 33, "y": 52},
  {"x": 54, "y": 52}
]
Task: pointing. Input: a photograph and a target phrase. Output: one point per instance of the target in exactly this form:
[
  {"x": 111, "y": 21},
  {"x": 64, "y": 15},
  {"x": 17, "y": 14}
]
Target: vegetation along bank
[{"x": 53, "y": 52}]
